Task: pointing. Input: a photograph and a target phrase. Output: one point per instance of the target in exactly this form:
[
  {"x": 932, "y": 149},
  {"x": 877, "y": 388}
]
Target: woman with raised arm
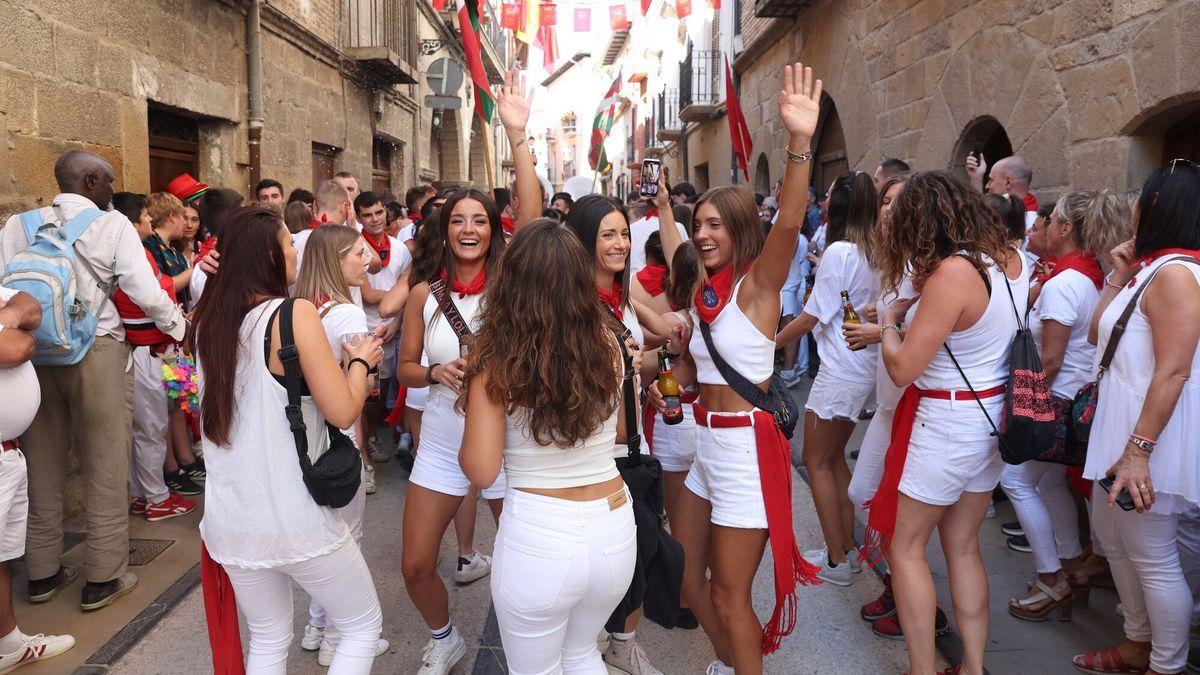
[
  {"x": 457, "y": 255},
  {"x": 738, "y": 492},
  {"x": 944, "y": 460}
]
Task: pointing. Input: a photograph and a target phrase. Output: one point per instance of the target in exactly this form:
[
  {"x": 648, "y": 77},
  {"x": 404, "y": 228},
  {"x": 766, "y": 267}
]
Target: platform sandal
[{"x": 1042, "y": 601}]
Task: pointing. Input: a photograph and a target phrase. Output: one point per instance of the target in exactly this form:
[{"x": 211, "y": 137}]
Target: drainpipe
[{"x": 254, "y": 84}]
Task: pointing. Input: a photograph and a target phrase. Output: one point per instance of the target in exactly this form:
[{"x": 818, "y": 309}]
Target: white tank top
[
  {"x": 983, "y": 349},
  {"x": 738, "y": 340},
  {"x": 441, "y": 344}
]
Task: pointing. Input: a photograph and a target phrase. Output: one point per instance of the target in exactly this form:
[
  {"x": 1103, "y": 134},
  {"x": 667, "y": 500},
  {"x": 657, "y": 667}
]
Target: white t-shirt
[
  {"x": 399, "y": 261},
  {"x": 842, "y": 268},
  {"x": 1069, "y": 298},
  {"x": 19, "y": 390},
  {"x": 300, "y": 240},
  {"x": 639, "y": 232},
  {"x": 196, "y": 285},
  {"x": 406, "y": 233},
  {"x": 341, "y": 320}
]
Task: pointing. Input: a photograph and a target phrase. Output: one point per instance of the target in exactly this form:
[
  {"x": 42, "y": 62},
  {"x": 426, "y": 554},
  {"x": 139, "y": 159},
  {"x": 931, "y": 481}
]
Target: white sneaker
[
  {"x": 991, "y": 510},
  {"x": 325, "y": 656},
  {"x": 718, "y": 668},
  {"x": 477, "y": 567},
  {"x": 369, "y": 479},
  {"x": 839, "y": 575},
  {"x": 313, "y": 637},
  {"x": 376, "y": 453},
  {"x": 627, "y": 656},
  {"x": 36, "y": 648},
  {"x": 439, "y": 656}
]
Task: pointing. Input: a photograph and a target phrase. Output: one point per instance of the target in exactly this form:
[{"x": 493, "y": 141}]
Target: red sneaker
[
  {"x": 171, "y": 507},
  {"x": 889, "y": 626},
  {"x": 138, "y": 506},
  {"x": 883, "y": 606}
]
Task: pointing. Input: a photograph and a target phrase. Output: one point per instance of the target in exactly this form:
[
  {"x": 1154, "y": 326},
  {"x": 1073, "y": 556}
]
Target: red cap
[{"x": 186, "y": 188}]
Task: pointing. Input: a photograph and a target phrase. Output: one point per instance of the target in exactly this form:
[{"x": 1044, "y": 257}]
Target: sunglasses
[{"x": 1174, "y": 162}]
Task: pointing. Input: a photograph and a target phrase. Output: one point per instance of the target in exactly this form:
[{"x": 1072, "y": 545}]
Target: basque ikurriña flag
[
  {"x": 469, "y": 28},
  {"x": 606, "y": 114}
]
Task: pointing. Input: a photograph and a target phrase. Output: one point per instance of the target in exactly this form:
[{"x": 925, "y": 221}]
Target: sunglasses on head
[{"x": 1174, "y": 162}]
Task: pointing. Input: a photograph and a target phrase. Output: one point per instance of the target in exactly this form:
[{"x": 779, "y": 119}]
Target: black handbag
[
  {"x": 334, "y": 478},
  {"x": 776, "y": 400}
]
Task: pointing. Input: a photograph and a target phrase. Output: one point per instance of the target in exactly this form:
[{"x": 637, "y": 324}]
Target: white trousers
[
  {"x": 352, "y": 513},
  {"x": 1189, "y": 556},
  {"x": 150, "y": 418},
  {"x": 339, "y": 580},
  {"x": 1044, "y": 506},
  {"x": 1143, "y": 554},
  {"x": 868, "y": 469},
  {"x": 561, "y": 568}
]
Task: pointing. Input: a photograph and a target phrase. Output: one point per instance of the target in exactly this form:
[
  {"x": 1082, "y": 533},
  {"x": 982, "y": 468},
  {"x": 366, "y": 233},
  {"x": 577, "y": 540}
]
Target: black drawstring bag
[{"x": 334, "y": 478}]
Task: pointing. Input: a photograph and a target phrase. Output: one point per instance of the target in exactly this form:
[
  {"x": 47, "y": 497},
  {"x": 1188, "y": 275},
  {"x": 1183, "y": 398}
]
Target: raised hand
[
  {"x": 800, "y": 101},
  {"x": 513, "y": 102}
]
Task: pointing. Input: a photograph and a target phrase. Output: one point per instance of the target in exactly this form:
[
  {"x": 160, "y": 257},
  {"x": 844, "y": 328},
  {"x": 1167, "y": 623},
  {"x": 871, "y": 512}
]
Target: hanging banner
[
  {"x": 716, "y": 4},
  {"x": 510, "y": 16},
  {"x": 549, "y": 14},
  {"x": 618, "y": 18},
  {"x": 683, "y": 9},
  {"x": 646, "y": 7},
  {"x": 583, "y": 19}
]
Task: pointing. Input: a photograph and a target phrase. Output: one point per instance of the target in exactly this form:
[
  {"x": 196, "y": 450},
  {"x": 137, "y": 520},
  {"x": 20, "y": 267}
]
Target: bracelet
[
  {"x": 1142, "y": 442},
  {"x": 429, "y": 374},
  {"x": 799, "y": 158},
  {"x": 359, "y": 360},
  {"x": 1108, "y": 282},
  {"x": 893, "y": 326}
]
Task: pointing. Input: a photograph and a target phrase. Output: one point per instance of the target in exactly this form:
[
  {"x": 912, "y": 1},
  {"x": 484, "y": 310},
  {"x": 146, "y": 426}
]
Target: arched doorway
[
  {"x": 1170, "y": 130},
  {"x": 829, "y": 153},
  {"x": 762, "y": 176},
  {"x": 1182, "y": 140},
  {"x": 983, "y": 135}
]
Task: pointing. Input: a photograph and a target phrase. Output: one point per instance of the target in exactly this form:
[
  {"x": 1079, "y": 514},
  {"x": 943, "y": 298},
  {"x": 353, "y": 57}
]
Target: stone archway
[
  {"x": 1164, "y": 132},
  {"x": 829, "y": 149},
  {"x": 762, "y": 176},
  {"x": 984, "y": 135}
]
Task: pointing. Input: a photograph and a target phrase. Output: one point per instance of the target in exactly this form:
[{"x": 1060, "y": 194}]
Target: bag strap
[
  {"x": 438, "y": 288},
  {"x": 995, "y": 431},
  {"x": 1118, "y": 330},
  {"x": 736, "y": 381},
  {"x": 633, "y": 439},
  {"x": 289, "y": 356}
]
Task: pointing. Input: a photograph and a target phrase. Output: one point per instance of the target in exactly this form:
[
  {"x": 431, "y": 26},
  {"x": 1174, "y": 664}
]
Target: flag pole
[{"x": 487, "y": 159}]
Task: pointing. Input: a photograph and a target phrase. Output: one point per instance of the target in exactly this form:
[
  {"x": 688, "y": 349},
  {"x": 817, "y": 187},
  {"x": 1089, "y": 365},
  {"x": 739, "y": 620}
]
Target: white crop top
[
  {"x": 738, "y": 340},
  {"x": 441, "y": 344}
]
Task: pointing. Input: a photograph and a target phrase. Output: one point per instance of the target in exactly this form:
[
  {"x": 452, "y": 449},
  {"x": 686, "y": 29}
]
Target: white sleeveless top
[
  {"x": 1175, "y": 463},
  {"x": 887, "y": 394},
  {"x": 257, "y": 511},
  {"x": 441, "y": 343},
  {"x": 738, "y": 340},
  {"x": 983, "y": 349}
]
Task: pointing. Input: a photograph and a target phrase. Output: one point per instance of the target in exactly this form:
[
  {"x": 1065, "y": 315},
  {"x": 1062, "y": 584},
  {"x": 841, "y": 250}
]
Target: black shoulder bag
[
  {"x": 334, "y": 479},
  {"x": 776, "y": 400}
]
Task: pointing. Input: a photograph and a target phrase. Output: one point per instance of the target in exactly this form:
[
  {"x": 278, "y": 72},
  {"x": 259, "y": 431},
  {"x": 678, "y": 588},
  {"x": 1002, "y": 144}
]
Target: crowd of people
[{"x": 613, "y": 378}]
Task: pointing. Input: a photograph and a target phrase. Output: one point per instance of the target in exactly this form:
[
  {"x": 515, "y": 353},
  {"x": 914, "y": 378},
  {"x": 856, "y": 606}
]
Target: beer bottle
[
  {"x": 850, "y": 316},
  {"x": 668, "y": 386}
]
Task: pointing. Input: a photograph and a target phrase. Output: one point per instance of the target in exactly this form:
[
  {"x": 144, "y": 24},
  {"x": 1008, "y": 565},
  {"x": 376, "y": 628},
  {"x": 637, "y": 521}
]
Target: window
[
  {"x": 174, "y": 146},
  {"x": 323, "y": 157},
  {"x": 381, "y": 165},
  {"x": 700, "y": 179}
]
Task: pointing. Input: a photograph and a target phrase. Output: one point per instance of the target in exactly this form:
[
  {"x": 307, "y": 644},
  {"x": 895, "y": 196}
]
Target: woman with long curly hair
[
  {"x": 944, "y": 460},
  {"x": 542, "y": 396}
]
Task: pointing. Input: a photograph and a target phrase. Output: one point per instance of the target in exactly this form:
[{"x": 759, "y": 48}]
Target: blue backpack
[{"x": 46, "y": 271}]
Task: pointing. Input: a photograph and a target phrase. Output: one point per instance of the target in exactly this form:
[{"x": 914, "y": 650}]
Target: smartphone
[
  {"x": 651, "y": 168},
  {"x": 1124, "y": 500}
]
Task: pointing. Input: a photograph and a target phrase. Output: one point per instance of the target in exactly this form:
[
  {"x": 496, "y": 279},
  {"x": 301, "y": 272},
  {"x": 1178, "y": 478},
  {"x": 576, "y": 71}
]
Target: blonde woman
[{"x": 335, "y": 261}]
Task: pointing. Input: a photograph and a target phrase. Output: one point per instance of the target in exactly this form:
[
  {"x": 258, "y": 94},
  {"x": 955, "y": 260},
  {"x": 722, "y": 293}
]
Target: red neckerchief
[
  {"x": 317, "y": 222},
  {"x": 652, "y": 277},
  {"x": 508, "y": 224},
  {"x": 1155, "y": 255},
  {"x": 613, "y": 298},
  {"x": 383, "y": 248},
  {"x": 1031, "y": 203},
  {"x": 713, "y": 296},
  {"x": 652, "y": 212},
  {"x": 474, "y": 288},
  {"x": 1081, "y": 261},
  {"x": 206, "y": 247}
]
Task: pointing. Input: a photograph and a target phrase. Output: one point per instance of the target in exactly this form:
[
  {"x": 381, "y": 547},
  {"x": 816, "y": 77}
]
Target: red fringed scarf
[
  {"x": 508, "y": 224},
  {"x": 613, "y": 298},
  {"x": 383, "y": 248},
  {"x": 206, "y": 247},
  {"x": 474, "y": 288},
  {"x": 220, "y": 610},
  {"x": 652, "y": 278},
  {"x": 713, "y": 296},
  {"x": 1081, "y": 261},
  {"x": 775, "y": 476}
]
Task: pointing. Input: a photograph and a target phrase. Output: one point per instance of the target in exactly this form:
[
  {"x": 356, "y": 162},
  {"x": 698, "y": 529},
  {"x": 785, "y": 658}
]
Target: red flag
[
  {"x": 683, "y": 8},
  {"x": 716, "y": 4},
  {"x": 548, "y": 41},
  {"x": 549, "y": 14},
  {"x": 510, "y": 16},
  {"x": 739, "y": 133},
  {"x": 439, "y": 5},
  {"x": 583, "y": 19},
  {"x": 645, "y": 7},
  {"x": 617, "y": 17}
]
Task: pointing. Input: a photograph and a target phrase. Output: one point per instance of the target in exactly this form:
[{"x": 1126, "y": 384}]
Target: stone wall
[{"x": 1083, "y": 88}]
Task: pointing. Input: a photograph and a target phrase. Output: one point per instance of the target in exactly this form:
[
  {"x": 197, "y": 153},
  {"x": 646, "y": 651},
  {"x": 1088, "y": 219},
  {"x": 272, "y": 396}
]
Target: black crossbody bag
[
  {"x": 776, "y": 400},
  {"x": 334, "y": 478}
]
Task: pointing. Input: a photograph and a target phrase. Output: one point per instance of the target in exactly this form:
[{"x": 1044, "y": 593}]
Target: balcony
[
  {"x": 699, "y": 86},
  {"x": 780, "y": 8},
  {"x": 669, "y": 128},
  {"x": 375, "y": 33},
  {"x": 495, "y": 42}
]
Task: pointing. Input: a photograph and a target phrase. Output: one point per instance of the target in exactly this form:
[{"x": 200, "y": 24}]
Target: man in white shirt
[
  {"x": 639, "y": 232},
  {"x": 90, "y": 401}
]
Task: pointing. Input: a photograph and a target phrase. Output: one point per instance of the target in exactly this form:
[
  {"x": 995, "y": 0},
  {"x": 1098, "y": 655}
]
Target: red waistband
[
  {"x": 960, "y": 394},
  {"x": 722, "y": 420},
  {"x": 689, "y": 396},
  {"x": 12, "y": 445}
]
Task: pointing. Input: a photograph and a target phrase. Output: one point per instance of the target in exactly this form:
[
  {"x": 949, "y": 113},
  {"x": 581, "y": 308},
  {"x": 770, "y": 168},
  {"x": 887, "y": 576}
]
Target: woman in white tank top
[
  {"x": 944, "y": 463},
  {"x": 1147, "y": 422},
  {"x": 543, "y": 405},
  {"x": 738, "y": 491}
]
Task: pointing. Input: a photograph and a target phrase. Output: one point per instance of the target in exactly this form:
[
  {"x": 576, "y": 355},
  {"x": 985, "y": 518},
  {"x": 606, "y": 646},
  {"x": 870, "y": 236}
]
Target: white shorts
[
  {"x": 952, "y": 451},
  {"x": 868, "y": 470},
  {"x": 674, "y": 446},
  {"x": 436, "y": 467},
  {"x": 834, "y": 398},
  {"x": 725, "y": 473},
  {"x": 416, "y": 398},
  {"x": 14, "y": 504}
]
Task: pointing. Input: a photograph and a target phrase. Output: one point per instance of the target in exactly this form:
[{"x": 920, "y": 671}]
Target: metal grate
[{"x": 143, "y": 551}]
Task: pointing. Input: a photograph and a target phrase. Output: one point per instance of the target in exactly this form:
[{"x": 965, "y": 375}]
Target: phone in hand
[
  {"x": 650, "y": 175},
  {"x": 1124, "y": 500}
]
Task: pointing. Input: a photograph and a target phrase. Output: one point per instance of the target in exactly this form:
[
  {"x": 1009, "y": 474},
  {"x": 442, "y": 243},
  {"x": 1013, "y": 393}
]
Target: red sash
[{"x": 220, "y": 610}]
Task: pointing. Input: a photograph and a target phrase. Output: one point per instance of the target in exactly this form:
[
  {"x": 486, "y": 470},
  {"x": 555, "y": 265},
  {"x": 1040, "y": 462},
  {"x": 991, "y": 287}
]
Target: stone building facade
[{"x": 1094, "y": 93}]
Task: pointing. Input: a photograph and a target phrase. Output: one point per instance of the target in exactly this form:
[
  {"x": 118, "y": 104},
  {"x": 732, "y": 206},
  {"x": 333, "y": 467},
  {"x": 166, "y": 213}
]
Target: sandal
[
  {"x": 1104, "y": 662},
  {"x": 1042, "y": 601}
]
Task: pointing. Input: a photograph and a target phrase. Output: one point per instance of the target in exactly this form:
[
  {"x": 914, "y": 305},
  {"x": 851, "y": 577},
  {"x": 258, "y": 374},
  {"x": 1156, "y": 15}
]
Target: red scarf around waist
[
  {"x": 775, "y": 477},
  {"x": 714, "y": 295},
  {"x": 881, "y": 509},
  {"x": 652, "y": 278},
  {"x": 614, "y": 298},
  {"x": 1081, "y": 261},
  {"x": 382, "y": 248},
  {"x": 474, "y": 288},
  {"x": 220, "y": 611}
]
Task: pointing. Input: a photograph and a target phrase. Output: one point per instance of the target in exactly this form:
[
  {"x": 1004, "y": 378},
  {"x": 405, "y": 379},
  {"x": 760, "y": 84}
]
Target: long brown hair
[
  {"x": 853, "y": 210},
  {"x": 433, "y": 243},
  {"x": 320, "y": 275},
  {"x": 684, "y": 278},
  {"x": 739, "y": 215},
  {"x": 935, "y": 216},
  {"x": 252, "y": 268},
  {"x": 544, "y": 341}
]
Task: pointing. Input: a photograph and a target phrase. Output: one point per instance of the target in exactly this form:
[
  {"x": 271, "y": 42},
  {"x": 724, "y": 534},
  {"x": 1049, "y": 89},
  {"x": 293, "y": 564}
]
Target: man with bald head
[
  {"x": 1011, "y": 175},
  {"x": 90, "y": 401}
]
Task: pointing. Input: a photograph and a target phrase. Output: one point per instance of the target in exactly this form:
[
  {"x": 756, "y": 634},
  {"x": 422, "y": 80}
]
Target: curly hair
[
  {"x": 544, "y": 342},
  {"x": 935, "y": 216}
]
